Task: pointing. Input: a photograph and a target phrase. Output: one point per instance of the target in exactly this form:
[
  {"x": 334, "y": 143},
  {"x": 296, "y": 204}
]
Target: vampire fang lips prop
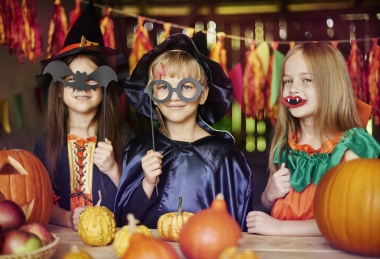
[{"x": 293, "y": 101}]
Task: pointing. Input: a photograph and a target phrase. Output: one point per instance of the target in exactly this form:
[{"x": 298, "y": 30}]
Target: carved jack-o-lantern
[{"x": 25, "y": 181}]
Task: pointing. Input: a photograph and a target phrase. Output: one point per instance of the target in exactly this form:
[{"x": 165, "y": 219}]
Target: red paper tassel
[
  {"x": 106, "y": 26},
  {"x": 236, "y": 76},
  {"x": 141, "y": 44},
  {"x": 357, "y": 73},
  {"x": 254, "y": 83},
  {"x": 75, "y": 13},
  {"x": 12, "y": 25},
  {"x": 374, "y": 80},
  {"x": 31, "y": 41},
  {"x": 57, "y": 30},
  {"x": 218, "y": 52}
]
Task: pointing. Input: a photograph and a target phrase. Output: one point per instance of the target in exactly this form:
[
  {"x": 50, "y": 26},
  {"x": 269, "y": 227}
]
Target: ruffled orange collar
[{"x": 326, "y": 147}]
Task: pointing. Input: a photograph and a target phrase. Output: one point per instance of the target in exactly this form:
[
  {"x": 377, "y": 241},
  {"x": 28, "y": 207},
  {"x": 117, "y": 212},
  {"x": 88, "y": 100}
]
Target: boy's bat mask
[{"x": 59, "y": 70}]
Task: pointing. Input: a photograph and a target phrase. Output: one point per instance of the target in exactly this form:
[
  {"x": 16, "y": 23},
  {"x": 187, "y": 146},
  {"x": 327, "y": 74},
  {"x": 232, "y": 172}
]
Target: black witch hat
[
  {"x": 85, "y": 36},
  {"x": 220, "y": 86}
]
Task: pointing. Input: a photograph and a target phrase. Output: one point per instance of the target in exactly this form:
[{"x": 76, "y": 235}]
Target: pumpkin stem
[
  {"x": 100, "y": 198},
  {"x": 132, "y": 221},
  {"x": 179, "y": 211},
  {"x": 219, "y": 196}
]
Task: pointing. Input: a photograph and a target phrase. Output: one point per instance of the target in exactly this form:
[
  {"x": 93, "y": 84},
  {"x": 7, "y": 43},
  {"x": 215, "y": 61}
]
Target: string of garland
[{"x": 178, "y": 26}]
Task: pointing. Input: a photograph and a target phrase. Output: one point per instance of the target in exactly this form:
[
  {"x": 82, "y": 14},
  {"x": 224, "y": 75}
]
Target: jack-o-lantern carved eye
[
  {"x": 11, "y": 166},
  {"x": 25, "y": 181}
]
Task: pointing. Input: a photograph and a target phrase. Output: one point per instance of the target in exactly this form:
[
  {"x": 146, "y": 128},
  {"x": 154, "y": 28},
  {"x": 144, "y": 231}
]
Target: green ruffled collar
[{"x": 306, "y": 169}]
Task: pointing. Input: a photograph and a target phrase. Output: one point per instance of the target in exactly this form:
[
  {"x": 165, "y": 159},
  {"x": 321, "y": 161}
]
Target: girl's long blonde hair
[{"x": 336, "y": 107}]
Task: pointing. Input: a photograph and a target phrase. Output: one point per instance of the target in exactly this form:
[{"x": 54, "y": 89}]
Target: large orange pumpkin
[
  {"x": 25, "y": 181},
  {"x": 208, "y": 232},
  {"x": 347, "y": 206}
]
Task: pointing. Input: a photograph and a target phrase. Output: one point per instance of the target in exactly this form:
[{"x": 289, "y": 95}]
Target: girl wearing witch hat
[
  {"x": 319, "y": 126},
  {"x": 85, "y": 133},
  {"x": 186, "y": 92}
]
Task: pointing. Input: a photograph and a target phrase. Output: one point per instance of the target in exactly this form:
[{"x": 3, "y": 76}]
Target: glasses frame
[{"x": 149, "y": 90}]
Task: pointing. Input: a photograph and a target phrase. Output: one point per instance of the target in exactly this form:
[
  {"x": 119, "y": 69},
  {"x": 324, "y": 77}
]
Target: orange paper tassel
[
  {"x": 141, "y": 44},
  {"x": 106, "y": 26},
  {"x": 254, "y": 83},
  {"x": 357, "y": 73},
  {"x": 166, "y": 33},
  {"x": 218, "y": 52}
]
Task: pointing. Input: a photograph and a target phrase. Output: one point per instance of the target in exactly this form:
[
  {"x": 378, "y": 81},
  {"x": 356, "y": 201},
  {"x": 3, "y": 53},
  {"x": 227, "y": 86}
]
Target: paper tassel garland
[
  {"x": 236, "y": 76},
  {"x": 75, "y": 13},
  {"x": 166, "y": 33},
  {"x": 374, "y": 81},
  {"x": 357, "y": 73},
  {"x": 141, "y": 44},
  {"x": 106, "y": 26},
  {"x": 218, "y": 52},
  {"x": 31, "y": 38},
  {"x": 254, "y": 83},
  {"x": 12, "y": 24},
  {"x": 57, "y": 30}
]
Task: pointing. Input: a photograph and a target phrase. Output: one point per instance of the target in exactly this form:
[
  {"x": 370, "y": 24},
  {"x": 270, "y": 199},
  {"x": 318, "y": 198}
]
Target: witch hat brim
[
  {"x": 220, "y": 86},
  {"x": 85, "y": 36}
]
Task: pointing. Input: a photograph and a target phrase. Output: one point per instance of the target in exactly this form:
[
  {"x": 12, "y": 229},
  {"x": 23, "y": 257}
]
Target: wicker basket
[{"x": 45, "y": 252}]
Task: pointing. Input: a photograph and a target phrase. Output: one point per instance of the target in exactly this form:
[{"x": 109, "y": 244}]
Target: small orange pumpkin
[
  {"x": 347, "y": 208},
  {"x": 123, "y": 237},
  {"x": 25, "y": 181},
  {"x": 141, "y": 246},
  {"x": 206, "y": 234},
  {"x": 170, "y": 224}
]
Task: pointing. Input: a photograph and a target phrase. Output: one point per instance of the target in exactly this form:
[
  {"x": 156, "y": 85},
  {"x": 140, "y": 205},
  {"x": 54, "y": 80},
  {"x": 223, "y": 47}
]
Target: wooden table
[{"x": 266, "y": 247}]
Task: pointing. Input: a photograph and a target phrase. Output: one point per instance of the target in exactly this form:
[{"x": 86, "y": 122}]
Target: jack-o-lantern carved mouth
[
  {"x": 11, "y": 166},
  {"x": 293, "y": 101}
]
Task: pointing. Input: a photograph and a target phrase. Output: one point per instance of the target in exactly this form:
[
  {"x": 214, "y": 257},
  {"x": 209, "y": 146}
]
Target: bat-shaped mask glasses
[
  {"x": 101, "y": 76},
  {"x": 60, "y": 72}
]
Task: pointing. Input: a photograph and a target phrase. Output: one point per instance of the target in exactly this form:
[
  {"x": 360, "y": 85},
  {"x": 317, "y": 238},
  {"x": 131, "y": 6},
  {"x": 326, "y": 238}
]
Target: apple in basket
[
  {"x": 1, "y": 237},
  {"x": 40, "y": 231},
  {"x": 11, "y": 215},
  {"x": 19, "y": 242}
]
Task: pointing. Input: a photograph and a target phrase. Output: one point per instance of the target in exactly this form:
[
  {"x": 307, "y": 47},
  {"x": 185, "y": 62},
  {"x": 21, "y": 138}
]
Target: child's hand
[
  {"x": 104, "y": 157},
  {"x": 279, "y": 184},
  {"x": 259, "y": 222},
  {"x": 151, "y": 164},
  {"x": 76, "y": 214}
]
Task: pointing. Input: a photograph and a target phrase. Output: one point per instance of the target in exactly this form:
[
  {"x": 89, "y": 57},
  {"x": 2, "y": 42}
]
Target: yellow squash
[
  {"x": 97, "y": 225},
  {"x": 170, "y": 224}
]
